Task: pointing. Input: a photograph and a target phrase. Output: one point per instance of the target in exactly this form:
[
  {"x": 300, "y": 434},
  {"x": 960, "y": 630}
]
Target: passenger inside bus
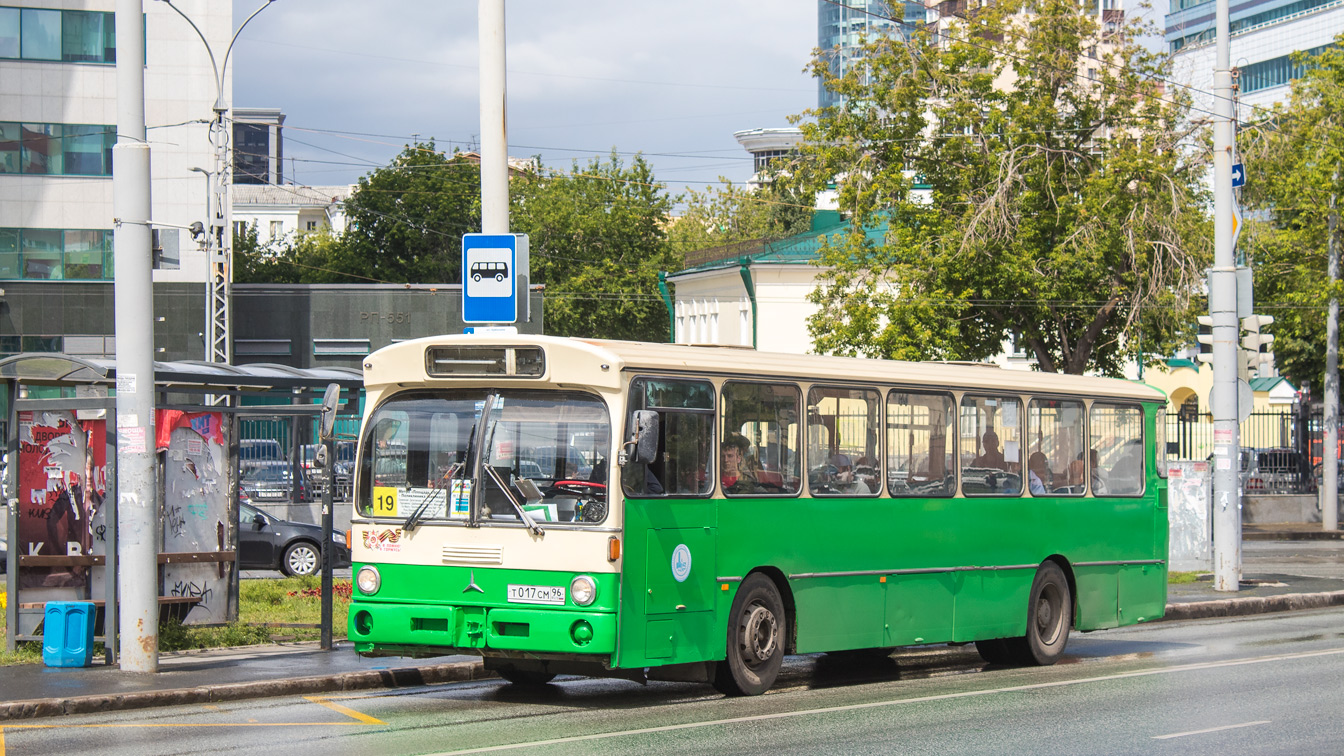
[
  {"x": 993, "y": 455},
  {"x": 844, "y": 480},
  {"x": 1038, "y": 474},
  {"x": 736, "y": 475}
]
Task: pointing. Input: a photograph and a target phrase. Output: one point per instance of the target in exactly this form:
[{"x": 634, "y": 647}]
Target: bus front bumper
[{"x": 373, "y": 624}]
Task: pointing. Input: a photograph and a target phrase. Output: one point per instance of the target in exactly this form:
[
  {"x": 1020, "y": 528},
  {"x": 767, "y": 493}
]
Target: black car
[
  {"x": 272, "y": 481},
  {"x": 266, "y": 542}
]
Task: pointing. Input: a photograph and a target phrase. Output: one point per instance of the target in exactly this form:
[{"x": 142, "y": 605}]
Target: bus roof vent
[{"x": 482, "y": 361}]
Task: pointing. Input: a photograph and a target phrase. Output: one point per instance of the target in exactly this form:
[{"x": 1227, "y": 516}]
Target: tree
[
  {"x": 735, "y": 213},
  {"x": 597, "y": 241},
  {"x": 1062, "y": 207},
  {"x": 406, "y": 220},
  {"x": 1296, "y": 155}
]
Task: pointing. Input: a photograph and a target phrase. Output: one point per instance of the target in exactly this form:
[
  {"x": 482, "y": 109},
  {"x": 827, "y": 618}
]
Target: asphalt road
[{"x": 1257, "y": 685}]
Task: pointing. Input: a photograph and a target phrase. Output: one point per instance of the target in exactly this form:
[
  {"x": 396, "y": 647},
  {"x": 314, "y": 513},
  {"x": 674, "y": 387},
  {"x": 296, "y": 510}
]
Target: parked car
[
  {"x": 272, "y": 481},
  {"x": 260, "y": 450},
  {"x": 266, "y": 542},
  {"x": 1278, "y": 471}
]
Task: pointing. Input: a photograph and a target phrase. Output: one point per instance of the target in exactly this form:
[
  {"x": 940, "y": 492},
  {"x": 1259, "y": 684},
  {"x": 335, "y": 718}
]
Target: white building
[
  {"x": 281, "y": 213},
  {"x": 1264, "y": 35},
  {"x": 58, "y": 113}
]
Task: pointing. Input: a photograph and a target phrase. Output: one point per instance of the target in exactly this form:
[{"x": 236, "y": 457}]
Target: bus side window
[
  {"x": 921, "y": 444},
  {"x": 682, "y": 466},
  {"x": 760, "y": 425},
  {"x": 842, "y": 442},
  {"x": 1117, "y": 450}
]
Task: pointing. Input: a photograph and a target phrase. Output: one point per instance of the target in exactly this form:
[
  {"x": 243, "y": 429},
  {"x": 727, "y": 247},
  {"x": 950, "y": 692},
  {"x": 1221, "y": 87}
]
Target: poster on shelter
[
  {"x": 196, "y": 511},
  {"x": 62, "y": 486}
]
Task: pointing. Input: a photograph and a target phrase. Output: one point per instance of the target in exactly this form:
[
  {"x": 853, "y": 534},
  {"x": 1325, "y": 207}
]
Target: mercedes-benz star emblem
[{"x": 471, "y": 584}]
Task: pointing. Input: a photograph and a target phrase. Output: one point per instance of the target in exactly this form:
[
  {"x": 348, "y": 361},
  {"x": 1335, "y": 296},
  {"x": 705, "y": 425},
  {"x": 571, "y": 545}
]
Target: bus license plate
[{"x": 536, "y": 594}]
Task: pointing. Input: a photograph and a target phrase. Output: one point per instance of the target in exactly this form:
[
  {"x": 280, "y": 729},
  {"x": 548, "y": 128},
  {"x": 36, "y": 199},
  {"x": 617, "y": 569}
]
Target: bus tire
[
  {"x": 526, "y": 677},
  {"x": 756, "y": 639},
  {"x": 1049, "y": 617},
  {"x": 996, "y": 650}
]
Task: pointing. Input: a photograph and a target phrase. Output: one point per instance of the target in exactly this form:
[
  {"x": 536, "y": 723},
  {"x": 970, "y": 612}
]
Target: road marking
[
  {"x": 127, "y": 725},
  {"x": 1211, "y": 729},
  {"x": 2, "y": 741},
  {"x": 901, "y": 702},
  {"x": 322, "y": 701}
]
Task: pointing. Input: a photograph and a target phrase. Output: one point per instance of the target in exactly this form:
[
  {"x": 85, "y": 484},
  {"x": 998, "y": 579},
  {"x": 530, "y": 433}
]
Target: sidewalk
[{"x": 1286, "y": 567}]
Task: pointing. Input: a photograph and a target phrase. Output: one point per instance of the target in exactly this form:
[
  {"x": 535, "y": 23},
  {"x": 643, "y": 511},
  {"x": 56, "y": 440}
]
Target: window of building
[
  {"x": 47, "y": 254},
  {"x": 1117, "y": 448},
  {"x": 758, "y": 447},
  {"x": 921, "y": 439},
  {"x": 72, "y": 36},
  {"x": 340, "y": 347},
  {"x": 9, "y": 32},
  {"x": 1055, "y": 444},
  {"x": 843, "y": 431},
  {"x": 991, "y": 446},
  {"x": 277, "y": 229},
  {"x": 311, "y": 225},
  {"x": 56, "y": 149}
]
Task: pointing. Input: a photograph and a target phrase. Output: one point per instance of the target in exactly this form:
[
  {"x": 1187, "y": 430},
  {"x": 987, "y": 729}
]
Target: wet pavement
[{"x": 1297, "y": 564}]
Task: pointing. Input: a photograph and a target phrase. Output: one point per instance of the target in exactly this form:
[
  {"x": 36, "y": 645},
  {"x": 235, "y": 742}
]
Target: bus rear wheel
[
  {"x": 756, "y": 639},
  {"x": 1049, "y": 618}
]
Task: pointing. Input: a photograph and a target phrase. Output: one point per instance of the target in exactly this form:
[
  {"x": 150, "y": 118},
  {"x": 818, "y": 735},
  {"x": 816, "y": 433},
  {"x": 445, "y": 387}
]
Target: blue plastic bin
[{"x": 67, "y": 634}]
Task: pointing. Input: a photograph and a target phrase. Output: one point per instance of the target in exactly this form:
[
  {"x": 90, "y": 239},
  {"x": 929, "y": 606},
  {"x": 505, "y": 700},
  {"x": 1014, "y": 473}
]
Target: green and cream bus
[{"x": 671, "y": 512}]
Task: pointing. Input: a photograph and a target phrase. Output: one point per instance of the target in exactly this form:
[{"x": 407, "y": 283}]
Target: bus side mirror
[
  {"x": 644, "y": 439},
  {"x": 321, "y": 461}
]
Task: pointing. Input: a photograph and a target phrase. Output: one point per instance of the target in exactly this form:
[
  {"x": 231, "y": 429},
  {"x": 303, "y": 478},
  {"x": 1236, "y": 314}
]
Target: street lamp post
[{"x": 219, "y": 249}]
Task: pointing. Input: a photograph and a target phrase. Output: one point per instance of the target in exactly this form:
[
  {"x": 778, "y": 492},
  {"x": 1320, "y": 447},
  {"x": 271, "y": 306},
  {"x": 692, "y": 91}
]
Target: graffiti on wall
[{"x": 62, "y": 486}]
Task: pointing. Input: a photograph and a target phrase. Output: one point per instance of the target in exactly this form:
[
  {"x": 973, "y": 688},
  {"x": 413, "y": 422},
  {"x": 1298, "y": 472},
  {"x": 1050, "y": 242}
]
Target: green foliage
[
  {"x": 1296, "y": 159},
  {"x": 597, "y": 241},
  {"x": 1060, "y": 209},
  {"x": 719, "y": 216},
  {"x": 407, "y": 219}
]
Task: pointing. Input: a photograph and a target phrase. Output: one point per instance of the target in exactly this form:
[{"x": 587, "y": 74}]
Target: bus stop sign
[{"x": 494, "y": 277}]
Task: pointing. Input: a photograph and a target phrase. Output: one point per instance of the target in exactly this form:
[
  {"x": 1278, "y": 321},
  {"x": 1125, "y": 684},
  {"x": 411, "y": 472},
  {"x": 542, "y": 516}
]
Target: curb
[
  {"x": 1240, "y": 607},
  {"x": 1293, "y": 535},
  {"x": 403, "y": 677}
]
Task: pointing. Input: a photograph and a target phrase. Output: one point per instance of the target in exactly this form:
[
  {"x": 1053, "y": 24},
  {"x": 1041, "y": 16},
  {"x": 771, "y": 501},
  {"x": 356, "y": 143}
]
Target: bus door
[{"x": 669, "y": 602}]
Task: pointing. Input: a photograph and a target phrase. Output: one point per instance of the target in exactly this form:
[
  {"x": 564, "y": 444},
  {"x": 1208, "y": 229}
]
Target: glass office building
[{"x": 841, "y": 29}]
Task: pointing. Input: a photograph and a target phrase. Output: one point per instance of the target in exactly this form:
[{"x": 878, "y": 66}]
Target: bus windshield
[{"x": 547, "y": 448}]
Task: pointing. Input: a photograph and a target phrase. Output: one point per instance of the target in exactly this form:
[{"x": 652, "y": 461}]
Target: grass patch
[
  {"x": 1183, "y": 578},
  {"x": 265, "y": 606}
]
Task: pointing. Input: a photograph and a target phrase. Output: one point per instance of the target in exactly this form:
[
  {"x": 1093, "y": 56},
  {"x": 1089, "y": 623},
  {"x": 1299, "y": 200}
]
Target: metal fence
[
  {"x": 290, "y": 441},
  {"x": 1276, "y": 455}
]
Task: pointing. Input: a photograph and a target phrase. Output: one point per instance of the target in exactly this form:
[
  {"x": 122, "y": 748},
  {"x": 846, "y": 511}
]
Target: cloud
[{"x": 637, "y": 76}]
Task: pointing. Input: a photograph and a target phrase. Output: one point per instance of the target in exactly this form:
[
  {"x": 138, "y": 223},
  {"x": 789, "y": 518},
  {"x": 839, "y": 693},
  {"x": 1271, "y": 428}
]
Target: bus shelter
[{"x": 60, "y": 481}]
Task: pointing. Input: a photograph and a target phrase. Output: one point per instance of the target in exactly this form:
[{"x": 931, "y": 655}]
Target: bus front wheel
[
  {"x": 525, "y": 677},
  {"x": 756, "y": 639}
]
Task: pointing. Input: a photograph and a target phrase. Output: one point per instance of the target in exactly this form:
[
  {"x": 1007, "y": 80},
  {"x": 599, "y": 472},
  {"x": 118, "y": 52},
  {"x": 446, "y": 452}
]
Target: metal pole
[
  {"x": 494, "y": 120},
  {"x": 1330, "y": 457},
  {"x": 327, "y": 547},
  {"x": 1223, "y": 310},
  {"x": 137, "y": 489},
  {"x": 11, "y": 504}
]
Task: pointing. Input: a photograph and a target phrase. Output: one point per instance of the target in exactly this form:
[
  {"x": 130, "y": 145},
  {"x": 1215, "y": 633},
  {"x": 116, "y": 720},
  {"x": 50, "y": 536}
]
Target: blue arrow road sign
[
  {"x": 1238, "y": 176},
  {"x": 489, "y": 277}
]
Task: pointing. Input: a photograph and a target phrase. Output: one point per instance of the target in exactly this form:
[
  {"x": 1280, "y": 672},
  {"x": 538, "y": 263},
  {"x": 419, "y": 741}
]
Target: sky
[{"x": 357, "y": 80}]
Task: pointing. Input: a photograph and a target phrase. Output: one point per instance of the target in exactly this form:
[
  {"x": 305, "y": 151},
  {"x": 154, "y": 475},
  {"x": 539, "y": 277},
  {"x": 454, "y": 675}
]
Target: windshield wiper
[
  {"x": 414, "y": 520},
  {"x": 522, "y": 514}
]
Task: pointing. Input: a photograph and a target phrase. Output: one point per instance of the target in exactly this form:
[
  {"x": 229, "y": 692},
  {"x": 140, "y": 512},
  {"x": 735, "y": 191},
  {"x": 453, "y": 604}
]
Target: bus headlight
[
  {"x": 583, "y": 590},
  {"x": 368, "y": 580}
]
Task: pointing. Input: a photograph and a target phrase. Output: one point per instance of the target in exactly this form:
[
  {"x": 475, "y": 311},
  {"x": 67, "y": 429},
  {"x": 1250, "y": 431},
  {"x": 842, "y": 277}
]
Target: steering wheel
[{"x": 580, "y": 487}]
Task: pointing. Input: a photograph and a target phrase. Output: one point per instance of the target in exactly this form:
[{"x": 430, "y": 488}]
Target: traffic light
[
  {"x": 1205, "y": 338},
  {"x": 1255, "y": 345}
]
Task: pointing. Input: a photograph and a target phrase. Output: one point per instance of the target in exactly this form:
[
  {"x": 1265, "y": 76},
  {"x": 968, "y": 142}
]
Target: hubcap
[
  {"x": 302, "y": 561},
  {"x": 759, "y": 634},
  {"x": 1049, "y": 611}
]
